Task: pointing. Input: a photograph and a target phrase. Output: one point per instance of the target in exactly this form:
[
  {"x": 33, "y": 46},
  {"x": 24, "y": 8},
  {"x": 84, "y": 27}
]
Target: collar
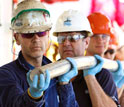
[{"x": 28, "y": 66}]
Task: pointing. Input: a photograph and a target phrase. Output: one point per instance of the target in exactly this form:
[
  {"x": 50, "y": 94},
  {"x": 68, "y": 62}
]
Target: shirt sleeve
[
  {"x": 12, "y": 94},
  {"x": 106, "y": 81},
  {"x": 67, "y": 96}
]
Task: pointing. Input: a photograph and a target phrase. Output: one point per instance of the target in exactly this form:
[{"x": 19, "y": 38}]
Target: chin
[
  {"x": 36, "y": 55},
  {"x": 65, "y": 56}
]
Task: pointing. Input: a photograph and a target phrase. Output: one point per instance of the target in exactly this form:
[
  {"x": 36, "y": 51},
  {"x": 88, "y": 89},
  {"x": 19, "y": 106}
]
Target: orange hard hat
[
  {"x": 100, "y": 23},
  {"x": 114, "y": 40}
]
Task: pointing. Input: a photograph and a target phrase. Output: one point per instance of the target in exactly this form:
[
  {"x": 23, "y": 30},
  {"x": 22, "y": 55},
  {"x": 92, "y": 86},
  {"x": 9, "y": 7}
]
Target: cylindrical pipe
[{"x": 60, "y": 67}]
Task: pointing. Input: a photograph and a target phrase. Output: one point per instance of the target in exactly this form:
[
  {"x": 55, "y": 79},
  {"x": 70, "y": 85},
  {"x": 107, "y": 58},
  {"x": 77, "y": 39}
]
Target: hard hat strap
[{"x": 28, "y": 10}]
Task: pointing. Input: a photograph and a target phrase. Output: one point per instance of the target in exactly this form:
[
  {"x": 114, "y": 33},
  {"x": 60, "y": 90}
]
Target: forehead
[
  {"x": 68, "y": 33},
  {"x": 99, "y": 35}
]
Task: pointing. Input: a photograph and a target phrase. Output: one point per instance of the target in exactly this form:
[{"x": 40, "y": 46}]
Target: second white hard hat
[{"x": 72, "y": 20}]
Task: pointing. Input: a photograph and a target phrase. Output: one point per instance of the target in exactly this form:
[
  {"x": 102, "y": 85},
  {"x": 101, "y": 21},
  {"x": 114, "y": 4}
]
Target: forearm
[
  {"x": 12, "y": 97},
  {"x": 120, "y": 91},
  {"x": 121, "y": 99},
  {"x": 97, "y": 95}
]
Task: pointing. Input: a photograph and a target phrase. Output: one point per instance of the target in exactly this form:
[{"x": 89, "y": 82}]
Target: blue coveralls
[{"x": 14, "y": 85}]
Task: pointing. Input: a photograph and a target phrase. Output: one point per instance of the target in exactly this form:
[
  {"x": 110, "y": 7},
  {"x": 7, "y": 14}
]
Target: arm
[
  {"x": 97, "y": 95},
  {"x": 13, "y": 93},
  {"x": 120, "y": 91},
  {"x": 122, "y": 99},
  {"x": 65, "y": 89}
]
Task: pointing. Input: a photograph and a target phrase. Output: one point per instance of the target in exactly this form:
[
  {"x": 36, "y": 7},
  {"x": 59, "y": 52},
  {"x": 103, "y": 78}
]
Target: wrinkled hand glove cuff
[
  {"x": 35, "y": 96},
  {"x": 86, "y": 73}
]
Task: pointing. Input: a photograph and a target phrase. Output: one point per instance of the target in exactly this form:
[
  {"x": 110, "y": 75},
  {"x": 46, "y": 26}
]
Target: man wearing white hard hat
[
  {"x": 31, "y": 24},
  {"x": 73, "y": 33}
]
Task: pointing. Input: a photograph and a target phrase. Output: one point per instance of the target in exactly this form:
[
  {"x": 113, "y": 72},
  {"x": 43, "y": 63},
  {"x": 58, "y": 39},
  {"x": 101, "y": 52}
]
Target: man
[
  {"x": 91, "y": 86},
  {"x": 112, "y": 47},
  {"x": 31, "y": 24},
  {"x": 110, "y": 54},
  {"x": 100, "y": 41}
]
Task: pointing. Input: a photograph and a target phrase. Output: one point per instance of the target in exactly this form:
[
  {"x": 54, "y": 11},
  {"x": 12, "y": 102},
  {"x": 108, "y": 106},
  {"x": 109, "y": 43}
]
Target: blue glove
[
  {"x": 118, "y": 75},
  {"x": 70, "y": 74},
  {"x": 120, "y": 83},
  {"x": 38, "y": 86},
  {"x": 96, "y": 69}
]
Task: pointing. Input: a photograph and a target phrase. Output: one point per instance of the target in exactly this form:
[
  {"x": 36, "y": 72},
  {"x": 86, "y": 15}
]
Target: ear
[
  {"x": 16, "y": 36},
  {"x": 87, "y": 41},
  {"x": 49, "y": 41}
]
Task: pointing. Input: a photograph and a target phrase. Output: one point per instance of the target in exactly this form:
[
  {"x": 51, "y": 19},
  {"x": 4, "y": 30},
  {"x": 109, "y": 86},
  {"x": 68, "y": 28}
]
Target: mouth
[
  {"x": 67, "y": 50},
  {"x": 36, "y": 48},
  {"x": 99, "y": 46}
]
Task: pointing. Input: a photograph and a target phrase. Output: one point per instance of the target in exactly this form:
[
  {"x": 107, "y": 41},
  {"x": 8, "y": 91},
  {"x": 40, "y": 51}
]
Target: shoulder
[
  {"x": 8, "y": 66},
  {"x": 9, "y": 69},
  {"x": 104, "y": 73},
  {"x": 46, "y": 60},
  {"x": 104, "y": 77}
]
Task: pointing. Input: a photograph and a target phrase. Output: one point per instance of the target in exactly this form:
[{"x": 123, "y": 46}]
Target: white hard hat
[
  {"x": 72, "y": 20},
  {"x": 30, "y": 16}
]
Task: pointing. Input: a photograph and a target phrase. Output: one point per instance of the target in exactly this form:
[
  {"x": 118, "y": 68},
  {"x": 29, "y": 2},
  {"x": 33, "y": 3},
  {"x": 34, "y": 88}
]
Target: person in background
[
  {"x": 112, "y": 47},
  {"x": 94, "y": 87},
  {"x": 99, "y": 43},
  {"x": 111, "y": 53},
  {"x": 31, "y": 25},
  {"x": 120, "y": 53}
]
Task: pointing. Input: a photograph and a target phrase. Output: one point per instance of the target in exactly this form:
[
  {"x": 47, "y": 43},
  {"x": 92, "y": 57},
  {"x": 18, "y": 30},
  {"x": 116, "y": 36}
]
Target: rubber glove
[
  {"x": 96, "y": 69},
  {"x": 118, "y": 75},
  {"x": 120, "y": 83},
  {"x": 70, "y": 74},
  {"x": 38, "y": 86}
]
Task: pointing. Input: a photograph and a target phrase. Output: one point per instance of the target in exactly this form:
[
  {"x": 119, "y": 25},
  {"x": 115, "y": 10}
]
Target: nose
[
  {"x": 100, "y": 38},
  {"x": 35, "y": 36},
  {"x": 66, "y": 42}
]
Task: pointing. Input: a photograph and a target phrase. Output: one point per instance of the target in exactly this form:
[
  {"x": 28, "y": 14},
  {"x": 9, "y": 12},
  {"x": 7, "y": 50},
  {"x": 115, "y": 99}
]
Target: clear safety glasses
[
  {"x": 103, "y": 36},
  {"x": 30, "y": 35},
  {"x": 74, "y": 38}
]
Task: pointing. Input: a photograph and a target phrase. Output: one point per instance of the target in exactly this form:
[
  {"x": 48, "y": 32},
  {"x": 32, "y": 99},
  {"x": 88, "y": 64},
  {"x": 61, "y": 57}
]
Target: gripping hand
[
  {"x": 38, "y": 85},
  {"x": 118, "y": 75},
  {"x": 96, "y": 69},
  {"x": 70, "y": 74}
]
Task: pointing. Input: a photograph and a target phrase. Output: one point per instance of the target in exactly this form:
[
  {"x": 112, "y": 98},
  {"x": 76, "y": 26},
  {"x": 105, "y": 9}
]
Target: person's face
[
  {"x": 110, "y": 54},
  {"x": 120, "y": 54},
  {"x": 33, "y": 45},
  {"x": 72, "y": 44},
  {"x": 98, "y": 44}
]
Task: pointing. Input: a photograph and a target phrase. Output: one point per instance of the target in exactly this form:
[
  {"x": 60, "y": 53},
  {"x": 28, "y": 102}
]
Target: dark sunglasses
[
  {"x": 30, "y": 35},
  {"x": 111, "y": 51},
  {"x": 74, "y": 38}
]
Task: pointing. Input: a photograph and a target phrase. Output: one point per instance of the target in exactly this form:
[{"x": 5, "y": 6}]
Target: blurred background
[{"x": 114, "y": 9}]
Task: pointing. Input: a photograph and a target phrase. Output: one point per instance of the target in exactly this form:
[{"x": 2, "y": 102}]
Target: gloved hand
[
  {"x": 120, "y": 83},
  {"x": 96, "y": 69},
  {"x": 38, "y": 86},
  {"x": 118, "y": 75},
  {"x": 70, "y": 74}
]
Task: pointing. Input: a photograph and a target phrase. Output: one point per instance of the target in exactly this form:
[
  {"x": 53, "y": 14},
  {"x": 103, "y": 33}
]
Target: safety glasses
[
  {"x": 74, "y": 38},
  {"x": 30, "y": 35},
  {"x": 111, "y": 51},
  {"x": 103, "y": 36}
]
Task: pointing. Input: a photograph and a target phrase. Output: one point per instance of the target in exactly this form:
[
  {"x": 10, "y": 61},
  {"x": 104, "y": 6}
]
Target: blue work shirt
[
  {"x": 14, "y": 85},
  {"x": 105, "y": 80}
]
